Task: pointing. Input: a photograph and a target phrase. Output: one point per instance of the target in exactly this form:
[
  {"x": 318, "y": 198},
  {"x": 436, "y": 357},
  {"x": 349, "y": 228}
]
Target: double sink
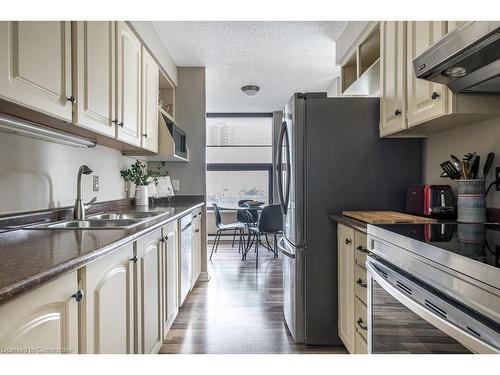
[{"x": 118, "y": 220}]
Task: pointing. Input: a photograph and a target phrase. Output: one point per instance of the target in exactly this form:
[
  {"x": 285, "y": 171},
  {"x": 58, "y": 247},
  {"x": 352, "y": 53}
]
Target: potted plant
[{"x": 141, "y": 177}]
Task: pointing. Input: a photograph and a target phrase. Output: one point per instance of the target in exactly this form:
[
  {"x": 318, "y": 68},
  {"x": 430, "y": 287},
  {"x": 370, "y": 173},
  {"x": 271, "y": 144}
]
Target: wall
[
  {"x": 482, "y": 138},
  {"x": 190, "y": 114},
  {"x": 37, "y": 174},
  {"x": 150, "y": 38}
]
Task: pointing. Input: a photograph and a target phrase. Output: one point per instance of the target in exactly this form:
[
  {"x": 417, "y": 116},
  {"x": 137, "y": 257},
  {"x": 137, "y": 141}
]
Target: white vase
[{"x": 141, "y": 195}]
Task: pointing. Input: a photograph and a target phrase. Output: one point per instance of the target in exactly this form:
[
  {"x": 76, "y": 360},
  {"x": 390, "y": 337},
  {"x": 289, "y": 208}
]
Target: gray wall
[
  {"x": 37, "y": 174},
  {"x": 482, "y": 137},
  {"x": 190, "y": 116}
]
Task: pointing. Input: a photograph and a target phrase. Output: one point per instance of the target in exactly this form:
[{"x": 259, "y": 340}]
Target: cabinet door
[
  {"x": 128, "y": 85},
  {"x": 392, "y": 77},
  {"x": 150, "y": 86},
  {"x": 94, "y": 81},
  {"x": 170, "y": 276},
  {"x": 426, "y": 100},
  {"x": 149, "y": 293},
  {"x": 109, "y": 313},
  {"x": 35, "y": 66},
  {"x": 42, "y": 321},
  {"x": 346, "y": 286}
]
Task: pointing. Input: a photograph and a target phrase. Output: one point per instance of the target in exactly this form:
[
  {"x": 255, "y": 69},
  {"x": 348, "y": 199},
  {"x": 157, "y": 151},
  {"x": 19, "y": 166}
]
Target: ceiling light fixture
[
  {"x": 14, "y": 125},
  {"x": 250, "y": 90}
]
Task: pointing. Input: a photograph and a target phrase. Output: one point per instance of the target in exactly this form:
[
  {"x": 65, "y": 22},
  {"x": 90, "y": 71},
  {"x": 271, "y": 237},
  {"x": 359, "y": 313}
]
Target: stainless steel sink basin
[
  {"x": 124, "y": 216},
  {"x": 90, "y": 224}
]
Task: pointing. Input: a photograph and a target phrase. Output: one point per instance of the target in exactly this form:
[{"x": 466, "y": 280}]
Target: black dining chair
[
  {"x": 240, "y": 227},
  {"x": 270, "y": 223},
  {"x": 248, "y": 217}
]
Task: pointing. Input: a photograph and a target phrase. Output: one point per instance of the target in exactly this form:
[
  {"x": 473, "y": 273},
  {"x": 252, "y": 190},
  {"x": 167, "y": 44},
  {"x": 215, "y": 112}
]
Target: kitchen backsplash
[
  {"x": 482, "y": 138},
  {"x": 37, "y": 174}
]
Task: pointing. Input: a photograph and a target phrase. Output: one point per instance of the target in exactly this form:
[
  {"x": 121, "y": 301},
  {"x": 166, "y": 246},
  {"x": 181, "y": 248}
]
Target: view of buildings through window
[{"x": 239, "y": 159}]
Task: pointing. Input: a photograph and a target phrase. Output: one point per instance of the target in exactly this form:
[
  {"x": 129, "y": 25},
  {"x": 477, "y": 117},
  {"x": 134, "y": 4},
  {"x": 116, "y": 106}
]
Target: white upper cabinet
[
  {"x": 426, "y": 100},
  {"x": 35, "y": 66},
  {"x": 128, "y": 85},
  {"x": 94, "y": 76},
  {"x": 392, "y": 77},
  {"x": 150, "y": 86},
  {"x": 44, "y": 319}
]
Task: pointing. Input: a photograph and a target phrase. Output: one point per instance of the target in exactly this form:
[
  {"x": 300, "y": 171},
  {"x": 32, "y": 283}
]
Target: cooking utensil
[
  {"x": 465, "y": 170},
  {"x": 468, "y": 156},
  {"x": 474, "y": 168},
  {"x": 450, "y": 170},
  {"x": 487, "y": 164}
]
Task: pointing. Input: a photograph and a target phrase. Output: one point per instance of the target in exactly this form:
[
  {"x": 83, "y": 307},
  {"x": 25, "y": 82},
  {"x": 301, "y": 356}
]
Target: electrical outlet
[
  {"x": 95, "y": 182},
  {"x": 497, "y": 178}
]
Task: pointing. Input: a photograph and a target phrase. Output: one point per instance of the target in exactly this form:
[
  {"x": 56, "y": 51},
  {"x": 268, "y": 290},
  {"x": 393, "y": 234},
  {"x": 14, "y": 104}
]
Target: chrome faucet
[{"x": 80, "y": 207}]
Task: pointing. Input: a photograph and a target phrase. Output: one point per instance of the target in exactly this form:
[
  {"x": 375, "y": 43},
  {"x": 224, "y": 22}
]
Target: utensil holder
[
  {"x": 141, "y": 195},
  {"x": 471, "y": 201}
]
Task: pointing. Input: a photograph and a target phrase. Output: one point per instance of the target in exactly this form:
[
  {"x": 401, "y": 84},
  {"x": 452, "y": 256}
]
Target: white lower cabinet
[
  {"x": 196, "y": 244},
  {"x": 170, "y": 275},
  {"x": 42, "y": 321},
  {"x": 107, "y": 323},
  {"x": 148, "y": 250}
]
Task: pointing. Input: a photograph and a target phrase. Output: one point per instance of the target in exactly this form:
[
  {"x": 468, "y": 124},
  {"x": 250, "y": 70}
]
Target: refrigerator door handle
[
  {"x": 279, "y": 168},
  {"x": 282, "y": 247},
  {"x": 288, "y": 168}
]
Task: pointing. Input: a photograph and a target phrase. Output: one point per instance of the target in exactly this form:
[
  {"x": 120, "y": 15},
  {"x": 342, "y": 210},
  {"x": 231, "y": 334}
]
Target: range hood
[{"x": 467, "y": 59}]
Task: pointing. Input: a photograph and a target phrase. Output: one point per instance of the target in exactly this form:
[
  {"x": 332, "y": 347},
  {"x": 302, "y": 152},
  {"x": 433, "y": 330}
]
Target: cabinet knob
[
  {"x": 197, "y": 230},
  {"x": 133, "y": 259},
  {"x": 434, "y": 95},
  {"x": 145, "y": 135},
  {"x": 397, "y": 112},
  {"x": 120, "y": 124},
  {"x": 165, "y": 238},
  {"x": 162, "y": 240},
  {"x": 115, "y": 121},
  {"x": 72, "y": 99},
  {"x": 78, "y": 296},
  {"x": 361, "y": 283},
  {"x": 360, "y": 324},
  {"x": 348, "y": 241}
]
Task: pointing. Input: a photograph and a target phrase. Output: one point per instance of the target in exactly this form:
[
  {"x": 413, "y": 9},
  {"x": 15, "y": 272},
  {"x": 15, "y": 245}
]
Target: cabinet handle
[
  {"x": 133, "y": 259},
  {"x": 72, "y": 99},
  {"x": 397, "y": 112},
  {"x": 361, "y": 283},
  {"x": 115, "y": 121},
  {"x": 78, "y": 296},
  {"x": 360, "y": 324},
  {"x": 145, "y": 135},
  {"x": 120, "y": 124},
  {"x": 361, "y": 249},
  {"x": 162, "y": 240},
  {"x": 165, "y": 238},
  {"x": 197, "y": 230},
  {"x": 348, "y": 241},
  {"x": 434, "y": 95}
]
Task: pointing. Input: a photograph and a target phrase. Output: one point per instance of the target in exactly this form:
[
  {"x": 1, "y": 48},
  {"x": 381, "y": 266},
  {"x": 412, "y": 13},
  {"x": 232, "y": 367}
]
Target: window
[{"x": 239, "y": 158}]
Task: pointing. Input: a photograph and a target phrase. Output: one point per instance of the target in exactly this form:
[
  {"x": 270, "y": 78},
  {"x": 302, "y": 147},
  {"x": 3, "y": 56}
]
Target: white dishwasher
[{"x": 186, "y": 257}]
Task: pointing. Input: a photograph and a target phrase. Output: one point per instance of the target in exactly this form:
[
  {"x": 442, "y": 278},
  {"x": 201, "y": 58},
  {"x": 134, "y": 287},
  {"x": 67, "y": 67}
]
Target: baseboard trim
[{"x": 204, "y": 277}]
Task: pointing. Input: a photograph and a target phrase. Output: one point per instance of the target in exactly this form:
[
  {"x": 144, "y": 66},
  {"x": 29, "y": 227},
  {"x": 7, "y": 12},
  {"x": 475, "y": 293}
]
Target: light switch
[
  {"x": 95, "y": 182},
  {"x": 175, "y": 184}
]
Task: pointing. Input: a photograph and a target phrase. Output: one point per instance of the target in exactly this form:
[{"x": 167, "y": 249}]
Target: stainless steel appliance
[
  {"x": 186, "y": 252},
  {"x": 330, "y": 158},
  {"x": 467, "y": 59},
  {"x": 433, "y": 294}
]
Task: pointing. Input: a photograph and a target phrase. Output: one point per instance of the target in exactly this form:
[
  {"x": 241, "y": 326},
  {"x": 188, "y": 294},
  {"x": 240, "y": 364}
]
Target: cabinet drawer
[
  {"x": 361, "y": 345},
  {"x": 360, "y": 283},
  {"x": 360, "y": 318},
  {"x": 360, "y": 250}
]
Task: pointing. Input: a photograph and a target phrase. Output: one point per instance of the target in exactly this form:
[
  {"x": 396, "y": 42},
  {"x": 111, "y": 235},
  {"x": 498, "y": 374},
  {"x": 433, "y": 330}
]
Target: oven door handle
[
  {"x": 282, "y": 247},
  {"x": 461, "y": 336}
]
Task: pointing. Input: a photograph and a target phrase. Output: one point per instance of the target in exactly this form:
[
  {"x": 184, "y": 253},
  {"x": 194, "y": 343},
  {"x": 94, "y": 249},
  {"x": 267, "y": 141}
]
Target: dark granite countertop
[
  {"x": 32, "y": 257},
  {"x": 350, "y": 222}
]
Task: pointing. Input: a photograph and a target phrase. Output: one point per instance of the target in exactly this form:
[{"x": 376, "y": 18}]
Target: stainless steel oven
[{"x": 406, "y": 315}]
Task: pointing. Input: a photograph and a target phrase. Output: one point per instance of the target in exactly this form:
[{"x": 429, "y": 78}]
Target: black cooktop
[{"x": 480, "y": 242}]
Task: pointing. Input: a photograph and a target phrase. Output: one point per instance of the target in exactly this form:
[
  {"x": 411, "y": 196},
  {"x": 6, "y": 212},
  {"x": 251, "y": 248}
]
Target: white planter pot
[{"x": 141, "y": 195}]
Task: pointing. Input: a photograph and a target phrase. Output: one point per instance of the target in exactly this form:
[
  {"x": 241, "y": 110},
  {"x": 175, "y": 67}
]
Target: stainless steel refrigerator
[{"x": 330, "y": 158}]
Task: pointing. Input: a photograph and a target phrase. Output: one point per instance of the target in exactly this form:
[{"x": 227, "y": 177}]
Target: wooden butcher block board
[{"x": 386, "y": 217}]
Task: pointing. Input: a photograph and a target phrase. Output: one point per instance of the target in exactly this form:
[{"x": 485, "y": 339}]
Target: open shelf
[
  {"x": 166, "y": 97},
  {"x": 349, "y": 72}
]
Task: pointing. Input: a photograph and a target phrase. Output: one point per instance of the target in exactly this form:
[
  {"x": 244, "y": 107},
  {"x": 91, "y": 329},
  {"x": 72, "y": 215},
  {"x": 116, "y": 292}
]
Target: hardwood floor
[{"x": 238, "y": 311}]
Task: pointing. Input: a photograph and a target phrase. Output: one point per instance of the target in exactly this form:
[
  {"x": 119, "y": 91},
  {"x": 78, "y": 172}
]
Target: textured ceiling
[{"x": 280, "y": 57}]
